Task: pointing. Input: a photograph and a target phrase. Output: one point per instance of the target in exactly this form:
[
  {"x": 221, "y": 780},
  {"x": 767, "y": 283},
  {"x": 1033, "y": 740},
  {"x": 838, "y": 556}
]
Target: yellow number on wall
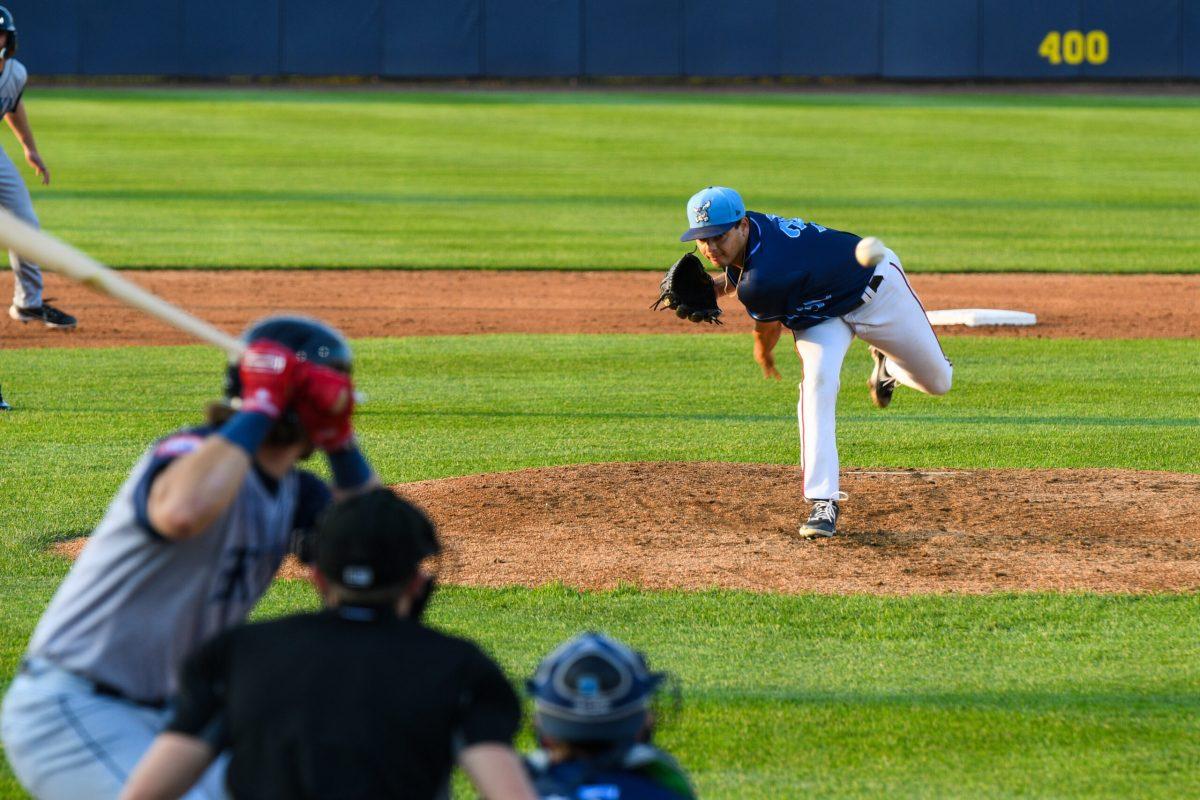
[
  {"x": 1073, "y": 47},
  {"x": 1097, "y": 47},
  {"x": 1049, "y": 48}
]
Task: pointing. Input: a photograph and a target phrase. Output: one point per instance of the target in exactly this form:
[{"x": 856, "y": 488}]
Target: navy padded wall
[
  {"x": 48, "y": 35},
  {"x": 422, "y": 39},
  {"x": 131, "y": 37},
  {"x": 830, "y": 37},
  {"x": 231, "y": 37},
  {"x": 332, "y": 38},
  {"x": 918, "y": 39},
  {"x": 633, "y": 37},
  {"x": 1143, "y": 37},
  {"x": 725, "y": 38},
  {"x": 930, "y": 39},
  {"x": 532, "y": 38},
  {"x": 1191, "y": 33}
]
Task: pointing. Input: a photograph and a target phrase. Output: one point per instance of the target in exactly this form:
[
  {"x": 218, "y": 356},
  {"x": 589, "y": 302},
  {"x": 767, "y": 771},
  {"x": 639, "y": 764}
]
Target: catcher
[
  {"x": 794, "y": 274},
  {"x": 593, "y": 701}
]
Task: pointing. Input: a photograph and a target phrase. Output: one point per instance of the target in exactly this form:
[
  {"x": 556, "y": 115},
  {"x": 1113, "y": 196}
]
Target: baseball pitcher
[{"x": 795, "y": 274}]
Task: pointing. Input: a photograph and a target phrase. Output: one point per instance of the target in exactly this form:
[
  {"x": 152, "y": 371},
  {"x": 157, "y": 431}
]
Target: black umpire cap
[{"x": 373, "y": 540}]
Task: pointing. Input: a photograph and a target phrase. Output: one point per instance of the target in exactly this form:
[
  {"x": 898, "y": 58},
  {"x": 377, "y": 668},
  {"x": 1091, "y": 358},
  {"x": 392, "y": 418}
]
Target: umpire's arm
[
  {"x": 178, "y": 756},
  {"x": 496, "y": 772},
  {"x": 170, "y": 767}
]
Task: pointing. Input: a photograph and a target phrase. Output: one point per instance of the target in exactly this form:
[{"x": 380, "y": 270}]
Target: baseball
[{"x": 869, "y": 251}]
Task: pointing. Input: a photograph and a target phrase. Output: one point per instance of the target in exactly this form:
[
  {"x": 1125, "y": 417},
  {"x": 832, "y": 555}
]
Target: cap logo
[
  {"x": 358, "y": 577},
  {"x": 701, "y": 212}
]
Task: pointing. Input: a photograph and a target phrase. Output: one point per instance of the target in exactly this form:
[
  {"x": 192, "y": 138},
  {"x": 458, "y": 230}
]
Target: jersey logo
[
  {"x": 793, "y": 227},
  {"x": 599, "y": 791},
  {"x": 701, "y": 213},
  {"x": 178, "y": 445},
  {"x": 235, "y": 580}
]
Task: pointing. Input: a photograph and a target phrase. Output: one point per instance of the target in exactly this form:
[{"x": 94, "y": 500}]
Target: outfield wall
[{"x": 914, "y": 39}]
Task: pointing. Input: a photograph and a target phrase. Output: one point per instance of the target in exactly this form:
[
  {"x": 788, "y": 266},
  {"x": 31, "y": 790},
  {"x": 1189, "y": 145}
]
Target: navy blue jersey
[
  {"x": 637, "y": 772},
  {"x": 798, "y": 273}
]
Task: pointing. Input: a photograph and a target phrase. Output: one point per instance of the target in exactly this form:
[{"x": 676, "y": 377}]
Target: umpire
[{"x": 358, "y": 700}]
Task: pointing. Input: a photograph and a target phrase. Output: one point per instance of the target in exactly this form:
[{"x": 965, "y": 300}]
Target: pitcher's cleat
[
  {"x": 822, "y": 522},
  {"x": 881, "y": 383}
]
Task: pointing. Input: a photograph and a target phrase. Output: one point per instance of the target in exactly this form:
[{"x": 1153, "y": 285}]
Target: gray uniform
[
  {"x": 14, "y": 195},
  {"x": 105, "y": 656}
]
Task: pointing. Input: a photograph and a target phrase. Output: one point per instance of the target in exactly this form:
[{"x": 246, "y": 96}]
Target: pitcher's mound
[{"x": 702, "y": 525}]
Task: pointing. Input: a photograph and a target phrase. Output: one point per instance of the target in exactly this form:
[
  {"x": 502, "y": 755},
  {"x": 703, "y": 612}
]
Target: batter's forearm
[{"x": 196, "y": 488}]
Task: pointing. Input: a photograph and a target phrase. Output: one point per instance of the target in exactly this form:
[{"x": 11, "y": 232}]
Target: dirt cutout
[
  {"x": 705, "y": 525},
  {"x": 421, "y": 303},
  {"x": 702, "y": 525}
]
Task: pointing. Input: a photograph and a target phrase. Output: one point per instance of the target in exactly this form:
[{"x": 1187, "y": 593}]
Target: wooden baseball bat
[{"x": 56, "y": 255}]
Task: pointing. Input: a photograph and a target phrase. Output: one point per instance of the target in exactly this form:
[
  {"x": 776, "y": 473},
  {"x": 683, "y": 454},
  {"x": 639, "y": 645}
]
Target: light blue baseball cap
[{"x": 712, "y": 211}]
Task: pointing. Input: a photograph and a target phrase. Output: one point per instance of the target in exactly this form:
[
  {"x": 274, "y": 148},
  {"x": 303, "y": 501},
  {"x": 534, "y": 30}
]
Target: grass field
[
  {"x": 857, "y": 696},
  {"x": 1026, "y": 695},
  {"x": 598, "y": 180}
]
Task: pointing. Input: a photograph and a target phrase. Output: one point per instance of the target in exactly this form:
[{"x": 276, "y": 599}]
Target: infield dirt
[
  {"x": 732, "y": 526},
  {"x": 381, "y": 303}
]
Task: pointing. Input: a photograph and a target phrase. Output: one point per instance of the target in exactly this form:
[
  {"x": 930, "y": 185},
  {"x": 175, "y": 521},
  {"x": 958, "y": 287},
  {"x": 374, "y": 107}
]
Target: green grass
[
  {"x": 1002, "y": 696},
  {"x": 202, "y": 178}
]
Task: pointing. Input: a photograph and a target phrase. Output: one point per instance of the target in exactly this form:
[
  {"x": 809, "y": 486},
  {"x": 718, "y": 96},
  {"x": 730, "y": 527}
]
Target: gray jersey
[
  {"x": 12, "y": 85},
  {"x": 14, "y": 196},
  {"x": 135, "y": 605}
]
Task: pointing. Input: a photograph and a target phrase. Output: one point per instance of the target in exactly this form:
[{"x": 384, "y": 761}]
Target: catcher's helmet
[
  {"x": 312, "y": 341},
  {"x": 593, "y": 689},
  {"x": 6, "y": 24}
]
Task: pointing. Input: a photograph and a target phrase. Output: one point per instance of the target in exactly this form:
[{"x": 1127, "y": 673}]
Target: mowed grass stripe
[{"x": 203, "y": 178}]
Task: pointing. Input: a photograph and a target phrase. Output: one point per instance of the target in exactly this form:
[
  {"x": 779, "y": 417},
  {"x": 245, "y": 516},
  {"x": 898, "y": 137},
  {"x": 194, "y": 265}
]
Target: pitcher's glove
[{"x": 689, "y": 291}]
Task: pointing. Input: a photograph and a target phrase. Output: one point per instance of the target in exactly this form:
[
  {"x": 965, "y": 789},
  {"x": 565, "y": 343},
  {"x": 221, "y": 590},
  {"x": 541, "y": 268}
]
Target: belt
[
  {"x": 98, "y": 687},
  {"x": 872, "y": 287}
]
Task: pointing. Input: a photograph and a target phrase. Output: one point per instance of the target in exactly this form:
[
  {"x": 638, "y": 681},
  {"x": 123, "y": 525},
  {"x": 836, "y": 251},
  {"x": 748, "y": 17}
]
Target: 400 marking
[{"x": 1074, "y": 47}]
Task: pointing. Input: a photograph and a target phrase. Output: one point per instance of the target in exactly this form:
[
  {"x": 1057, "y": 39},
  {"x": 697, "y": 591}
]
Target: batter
[
  {"x": 28, "y": 304},
  {"x": 795, "y": 274},
  {"x": 186, "y": 548}
]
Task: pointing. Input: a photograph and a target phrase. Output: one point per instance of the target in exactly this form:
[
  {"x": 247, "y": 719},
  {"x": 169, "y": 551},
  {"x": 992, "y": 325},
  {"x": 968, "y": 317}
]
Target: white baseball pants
[
  {"x": 893, "y": 320},
  {"x": 14, "y": 196},
  {"x": 65, "y": 742}
]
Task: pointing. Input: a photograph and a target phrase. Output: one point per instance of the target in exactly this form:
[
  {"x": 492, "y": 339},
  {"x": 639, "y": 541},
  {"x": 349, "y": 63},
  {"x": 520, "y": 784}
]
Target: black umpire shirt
[{"x": 344, "y": 703}]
